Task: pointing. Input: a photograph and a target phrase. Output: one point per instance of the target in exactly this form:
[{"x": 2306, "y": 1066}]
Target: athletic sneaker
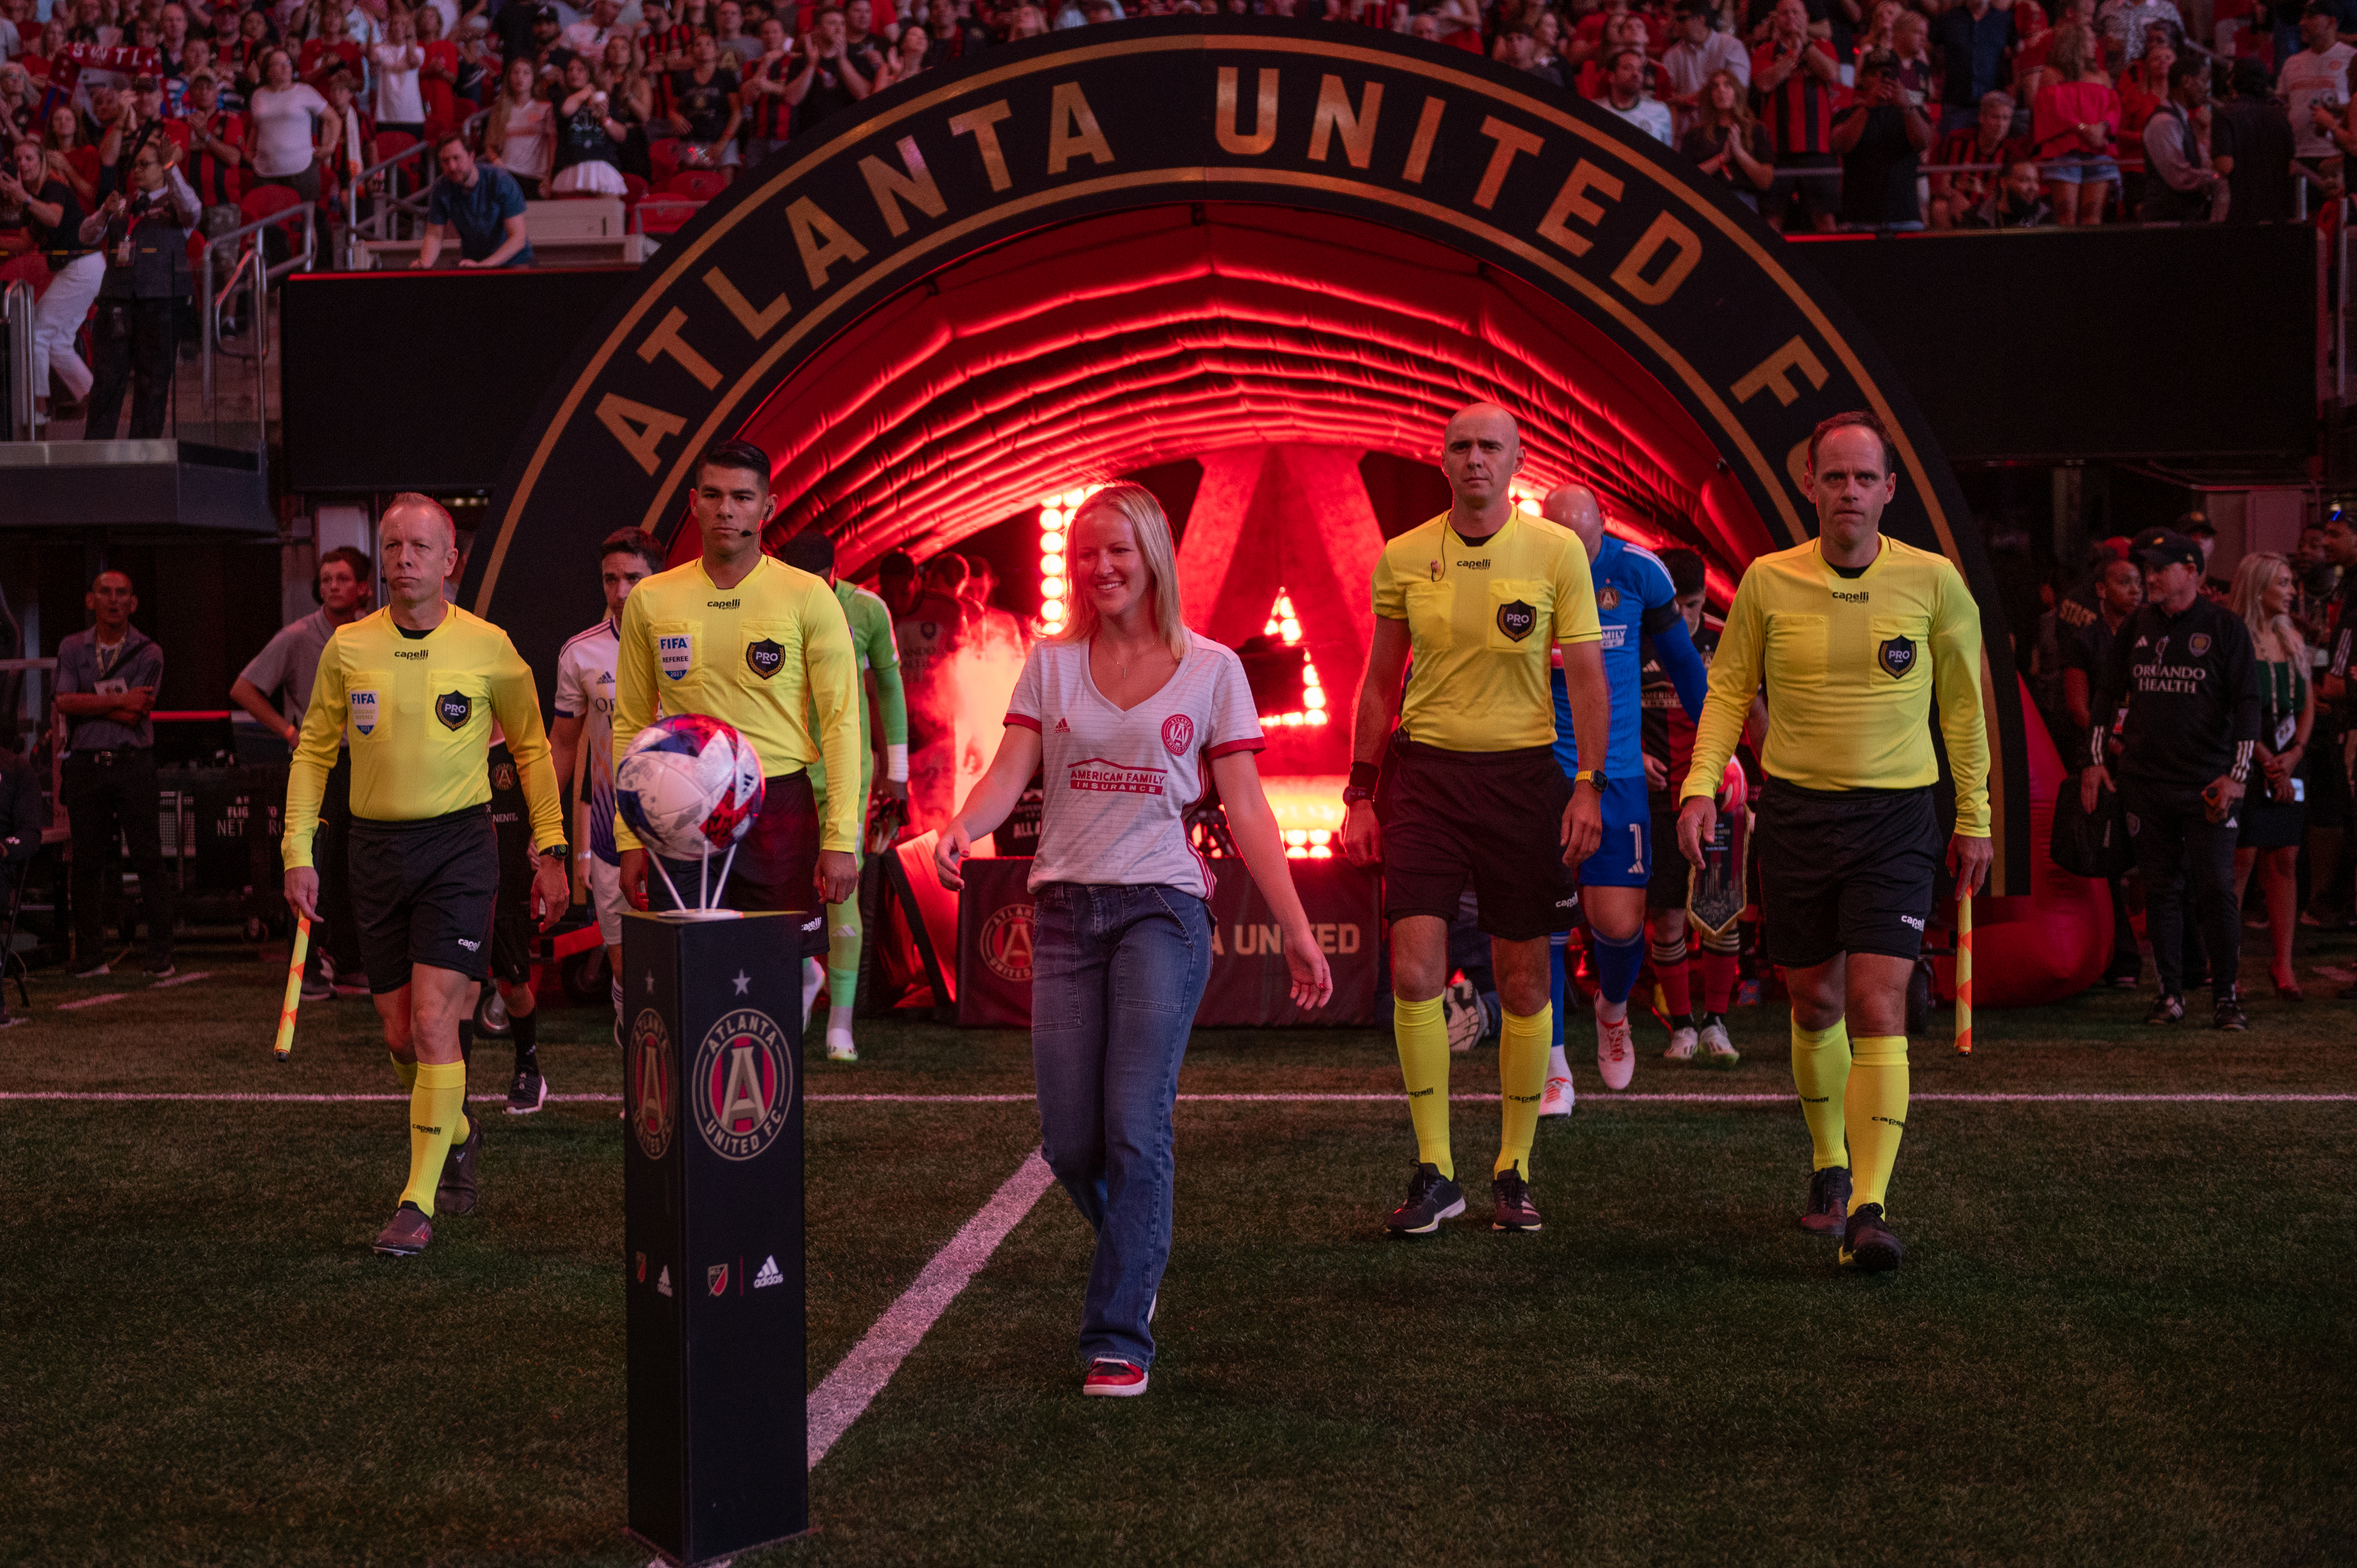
[
  {"x": 841, "y": 1051},
  {"x": 1109, "y": 1378},
  {"x": 1558, "y": 1099},
  {"x": 1683, "y": 1040},
  {"x": 1462, "y": 1010},
  {"x": 1616, "y": 1053},
  {"x": 456, "y": 1193},
  {"x": 2229, "y": 1014},
  {"x": 1431, "y": 1199},
  {"x": 317, "y": 990},
  {"x": 2166, "y": 1009},
  {"x": 92, "y": 972},
  {"x": 407, "y": 1235},
  {"x": 164, "y": 971},
  {"x": 1511, "y": 1208},
  {"x": 529, "y": 1092},
  {"x": 1828, "y": 1201},
  {"x": 9, "y": 1020},
  {"x": 1716, "y": 1048},
  {"x": 1867, "y": 1245}
]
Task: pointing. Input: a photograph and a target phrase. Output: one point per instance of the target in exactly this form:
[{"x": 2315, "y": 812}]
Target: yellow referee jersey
[
  {"x": 420, "y": 711},
  {"x": 1480, "y": 622},
  {"x": 1853, "y": 665},
  {"x": 760, "y": 656}
]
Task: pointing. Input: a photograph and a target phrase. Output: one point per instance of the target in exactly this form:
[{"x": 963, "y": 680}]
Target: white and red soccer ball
[{"x": 688, "y": 784}]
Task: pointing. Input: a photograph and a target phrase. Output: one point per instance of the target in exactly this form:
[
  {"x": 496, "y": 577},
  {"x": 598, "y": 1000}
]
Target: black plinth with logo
[{"x": 711, "y": 1258}]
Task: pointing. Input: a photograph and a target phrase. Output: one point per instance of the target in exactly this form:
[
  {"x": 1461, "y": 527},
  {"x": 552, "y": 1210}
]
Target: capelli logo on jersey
[
  {"x": 1849, "y": 598},
  {"x": 407, "y": 653},
  {"x": 722, "y": 604},
  {"x": 1481, "y": 565}
]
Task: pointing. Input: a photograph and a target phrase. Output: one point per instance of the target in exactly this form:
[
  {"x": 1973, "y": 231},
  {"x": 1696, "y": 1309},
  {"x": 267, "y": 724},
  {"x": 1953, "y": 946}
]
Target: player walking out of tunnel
[
  {"x": 1855, "y": 635},
  {"x": 1635, "y": 602},
  {"x": 419, "y": 684},
  {"x": 1477, "y": 598},
  {"x": 741, "y": 636},
  {"x": 879, "y": 678},
  {"x": 1133, "y": 716}
]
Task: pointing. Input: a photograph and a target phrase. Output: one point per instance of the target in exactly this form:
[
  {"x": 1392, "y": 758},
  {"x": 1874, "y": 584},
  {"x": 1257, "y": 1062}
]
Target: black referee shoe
[
  {"x": 456, "y": 1194},
  {"x": 2166, "y": 1009},
  {"x": 1868, "y": 1246},
  {"x": 1828, "y": 1201},
  {"x": 1512, "y": 1207},
  {"x": 407, "y": 1235},
  {"x": 1431, "y": 1199}
]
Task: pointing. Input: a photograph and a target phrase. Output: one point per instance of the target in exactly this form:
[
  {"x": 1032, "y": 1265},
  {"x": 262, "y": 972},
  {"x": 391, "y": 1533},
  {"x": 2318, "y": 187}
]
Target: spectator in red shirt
[
  {"x": 2074, "y": 126},
  {"x": 667, "y": 42},
  {"x": 1625, "y": 30},
  {"x": 1797, "y": 80},
  {"x": 215, "y": 138},
  {"x": 1986, "y": 142},
  {"x": 330, "y": 52},
  {"x": 437, "y": 76},
  {"x": 71, "y": 157},
  {"x": 769, "y": 115}
]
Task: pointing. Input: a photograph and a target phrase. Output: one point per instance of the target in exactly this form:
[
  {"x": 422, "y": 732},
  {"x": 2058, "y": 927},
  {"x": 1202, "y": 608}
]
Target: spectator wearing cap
[
  {"x": 2074, "y": 121},
  {"x": 214, "y": 138},
  {"x": 2317, "y": 79},
  {"x": 479, "y": 207},
  {"x": 2018, "y": 200},
  {"x": 1881, "y": 138},
  {"x": 2250, "y": 147},
  {"x": 1970, "y": 42},
  {"x": 2182, "y": 681},
  {"x": 1989, "y": 140},
  {"x": 1625, "y": 95},
  {"x": 2180, "y": 186},
  {"x": 107, "y": 678},
  {"x": 1688, "y": 63},
  {"x": 2196, "y": 527}
]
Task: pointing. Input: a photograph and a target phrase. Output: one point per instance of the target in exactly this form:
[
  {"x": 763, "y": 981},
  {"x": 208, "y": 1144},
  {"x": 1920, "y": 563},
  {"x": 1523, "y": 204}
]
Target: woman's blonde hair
[
  {"x": 2252, "y": 576},
  {"x": 1135, "y": 505}
]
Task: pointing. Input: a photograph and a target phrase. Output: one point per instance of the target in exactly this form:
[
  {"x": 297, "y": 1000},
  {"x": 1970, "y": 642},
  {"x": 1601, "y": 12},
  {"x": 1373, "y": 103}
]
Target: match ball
[{"x": 688, "y": 784}]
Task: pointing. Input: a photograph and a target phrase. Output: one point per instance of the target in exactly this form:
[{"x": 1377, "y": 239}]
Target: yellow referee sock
[
  {"x": 437, "y": 1114},
  {"x": 1876, "y": 1104},
  {"x": 1522, "y": 1047},
  {"x": 405, "y": 1071},
  {"x": 1423, "y": 1037},
  {"x": 1821, "y": 1072}
]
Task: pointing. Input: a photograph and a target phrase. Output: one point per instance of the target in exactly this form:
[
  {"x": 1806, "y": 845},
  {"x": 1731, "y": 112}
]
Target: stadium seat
[
  {"x": 265, "y": 200},
  {"x": 33, "y": 269},
  {"x": 663, "y": 214},
  {"x": 696, "y": 183},
  {"x": 662, "y": 156},
  {"x": 634, "y": 189}
]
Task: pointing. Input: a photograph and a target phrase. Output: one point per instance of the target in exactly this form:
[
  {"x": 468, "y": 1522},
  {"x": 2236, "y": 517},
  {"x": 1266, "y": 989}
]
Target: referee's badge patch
[
  {"x": 1898, "y": 656},
  {"x": 453, "y": 709},
  {"x": 676, "y": 652},
  {"x": 1516, "y": 619},
  {"x": 363, "y": 709},
  {"x": 765, "y": 658}
]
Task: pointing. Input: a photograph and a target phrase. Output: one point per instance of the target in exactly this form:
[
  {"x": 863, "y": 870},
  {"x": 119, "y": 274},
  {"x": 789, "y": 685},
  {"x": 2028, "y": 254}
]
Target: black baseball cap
[{"x": 2166, "y": 547}]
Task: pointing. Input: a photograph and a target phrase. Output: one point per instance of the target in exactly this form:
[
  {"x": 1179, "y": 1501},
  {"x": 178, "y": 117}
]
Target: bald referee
[
  {"x": 417, "y": 685},
  {"x": 1475, "y": 597},
  {"x": 1856, "y": 636}
]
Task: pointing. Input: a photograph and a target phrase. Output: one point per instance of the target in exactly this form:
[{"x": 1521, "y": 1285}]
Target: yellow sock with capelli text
[
  {"x": 1877, "y": 1107},
  {"x": 1422, "y": 1033},
  {"x": 1522, "y": 1047},
  {"x": 1820, "y": 1067},
  {"x": 438, "y": 1116}
]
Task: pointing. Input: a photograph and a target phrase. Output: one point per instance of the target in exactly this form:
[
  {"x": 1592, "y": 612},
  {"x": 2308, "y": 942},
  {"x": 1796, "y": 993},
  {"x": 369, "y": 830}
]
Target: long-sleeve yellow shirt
[
  {"x": 1852, "y": 667},
  {"x": 772, "y": 656},
  {"x": 420, "y": 709}
]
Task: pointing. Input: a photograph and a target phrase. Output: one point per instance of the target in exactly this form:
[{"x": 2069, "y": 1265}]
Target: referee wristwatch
[
  {"x": 558, "y": 851},
  {"x": 1588, "y": 776},
  {"x": 1361, "y": 787}
]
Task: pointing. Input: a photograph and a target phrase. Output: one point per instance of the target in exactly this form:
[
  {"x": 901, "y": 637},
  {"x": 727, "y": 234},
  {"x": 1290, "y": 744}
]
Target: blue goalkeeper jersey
[{"x": 1635, "y": 599}]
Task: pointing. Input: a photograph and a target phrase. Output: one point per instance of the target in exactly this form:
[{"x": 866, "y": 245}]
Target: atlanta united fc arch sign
[{"x": 1607, "y": 223}]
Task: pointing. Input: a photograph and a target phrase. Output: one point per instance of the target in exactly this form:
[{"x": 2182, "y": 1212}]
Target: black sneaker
[
  {"x": 1512, "y": 1207},
  {"x": 456, "y": 1194},
  {"x": 2229, "y": 1014},
  {"x": 317, "y": 988},
  {"x": 2166, "y": 1009},
  {"x": 1868, "y": 1246},
  {"x": 91, "y": 973},
  {"x": 407, "y": 1235},
  {"x": 2123, "y": 978},
  {"x": 530, "y": 1090},
  {"x": 1431, "y": 1199},
  {"x": 1828, "y": 1201},
  {"x": 164, "y": 971}
]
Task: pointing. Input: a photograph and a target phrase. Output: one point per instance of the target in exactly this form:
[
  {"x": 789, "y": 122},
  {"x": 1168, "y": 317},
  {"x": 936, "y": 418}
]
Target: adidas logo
[
  {"x": 662, "y": 1282},
  {"x": 1063, "y": 728},
  {"x": 769, "y": 1274}
]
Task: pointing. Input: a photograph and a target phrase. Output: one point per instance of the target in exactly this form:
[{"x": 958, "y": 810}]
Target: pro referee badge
[
  {"x": 1516, "y": 619},
  {"x": 1898, "y": 656},
  {"x": 453, "y": 708},
  {"x": 765, "y": 658},
  {"x": 363, "y": 710}
]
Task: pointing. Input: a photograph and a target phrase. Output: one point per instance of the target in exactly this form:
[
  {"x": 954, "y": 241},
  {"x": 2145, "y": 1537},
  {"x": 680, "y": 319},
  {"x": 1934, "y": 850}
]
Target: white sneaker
[
  {"x": 1717, "y": 1049},
  {"x": 1616, "y": 1053},
  {"x": 1558, "y": 1100},
  {"x": 1682, "y": 1045},
  {"x": 839, "y": 1046}
]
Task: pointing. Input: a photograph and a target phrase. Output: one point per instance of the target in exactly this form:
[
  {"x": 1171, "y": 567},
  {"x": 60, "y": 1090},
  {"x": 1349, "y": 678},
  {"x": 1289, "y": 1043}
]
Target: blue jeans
[{"x": 1117, "y": 975}]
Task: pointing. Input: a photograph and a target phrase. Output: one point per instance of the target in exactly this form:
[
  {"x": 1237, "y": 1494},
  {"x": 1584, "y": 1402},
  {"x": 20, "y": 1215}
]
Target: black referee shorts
[
  {"x": 1493, "y": 819},
  {"x": 421, "y": 893},
  {"x": 1846, "y": 871},
  {"x": 512, "y": 923}
]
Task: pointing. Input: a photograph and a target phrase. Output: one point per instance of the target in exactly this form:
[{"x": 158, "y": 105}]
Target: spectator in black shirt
[
  {"x": 2182, "y": 675},
  {"x": 832, "y": 79},
  {"x": 1880, "y": 137},
  {"x": 2250, "y": 145},
  {"x": 2119, "y": 590},
  {"x": 2017, "y": 201},
  {"x": 1728, "y": 142},
  {"x": 705, "y": 105},
  {"x": 1972, "y": 41}
]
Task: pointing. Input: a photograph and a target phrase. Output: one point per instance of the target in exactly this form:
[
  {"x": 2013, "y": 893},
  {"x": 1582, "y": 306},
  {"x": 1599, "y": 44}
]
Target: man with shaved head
[
  {"x": 1635, "y": 601},
  {"x": 1475, "y": 597},
  {"x": 417, "y": 685},
  {"x": 107, "y": 678}
]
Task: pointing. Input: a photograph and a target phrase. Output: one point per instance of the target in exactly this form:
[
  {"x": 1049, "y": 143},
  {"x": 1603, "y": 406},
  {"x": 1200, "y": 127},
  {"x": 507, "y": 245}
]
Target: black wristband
[{"x": 1363, "y": 775}]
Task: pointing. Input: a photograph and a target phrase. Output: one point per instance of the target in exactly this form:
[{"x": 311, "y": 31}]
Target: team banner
[{"x": 1249, "y": 985}]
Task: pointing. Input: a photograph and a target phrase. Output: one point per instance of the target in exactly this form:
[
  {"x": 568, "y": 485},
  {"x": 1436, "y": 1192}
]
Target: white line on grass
[
  {"x": 183, "y": 978},
  {"x": 134, "y": 1097},
  {"x": 93, "y": 1001},
  {"x": 861, "y": 1376}
]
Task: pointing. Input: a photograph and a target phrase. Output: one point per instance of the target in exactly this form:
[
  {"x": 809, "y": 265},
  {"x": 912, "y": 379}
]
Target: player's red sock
[
  {"x": 1672, "y": 972},
  {"x": 1718, "y": 977}
]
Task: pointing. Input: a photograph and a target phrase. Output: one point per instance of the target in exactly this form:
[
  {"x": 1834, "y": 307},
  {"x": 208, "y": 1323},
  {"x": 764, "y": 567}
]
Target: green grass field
[{"x": 2123, "y": 1335}]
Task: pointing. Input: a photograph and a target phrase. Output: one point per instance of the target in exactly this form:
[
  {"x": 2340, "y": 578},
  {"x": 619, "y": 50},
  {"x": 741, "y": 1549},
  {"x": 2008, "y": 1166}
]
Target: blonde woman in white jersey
[{"x": 1133, "y": 717}]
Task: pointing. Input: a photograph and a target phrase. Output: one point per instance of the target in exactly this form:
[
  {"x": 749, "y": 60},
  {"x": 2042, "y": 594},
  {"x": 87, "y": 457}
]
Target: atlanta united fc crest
[
  {"x": 741, "y": 1084},
  {"x": 653, "y": 1094}
]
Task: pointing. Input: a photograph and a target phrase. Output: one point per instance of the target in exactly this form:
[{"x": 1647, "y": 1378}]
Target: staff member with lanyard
[
  {"x": 144, "y": 237},
  {"x": 1132, "y": 715}
]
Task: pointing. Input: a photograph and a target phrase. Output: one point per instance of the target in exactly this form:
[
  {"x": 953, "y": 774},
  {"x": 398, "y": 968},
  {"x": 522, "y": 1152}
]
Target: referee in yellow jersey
[
  {"x": 741, "y": 636},
  {"x": 1476, "y": 598},
  {"x": 416, "y": 686},
  {"x": 1855, "y": 636}
]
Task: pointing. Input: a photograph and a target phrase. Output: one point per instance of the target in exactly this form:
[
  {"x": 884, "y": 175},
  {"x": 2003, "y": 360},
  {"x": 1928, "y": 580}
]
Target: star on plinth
[{"x": 742, "y": 981}]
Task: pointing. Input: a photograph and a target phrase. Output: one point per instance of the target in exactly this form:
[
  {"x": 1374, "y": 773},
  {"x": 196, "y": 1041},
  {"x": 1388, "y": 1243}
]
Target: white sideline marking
[
  {"x": 183, "y": 980},
  {"x": 131, "y": 1098},
  {"x": 839, "y": 1400},
  {"x": 93, "y": 1001}
]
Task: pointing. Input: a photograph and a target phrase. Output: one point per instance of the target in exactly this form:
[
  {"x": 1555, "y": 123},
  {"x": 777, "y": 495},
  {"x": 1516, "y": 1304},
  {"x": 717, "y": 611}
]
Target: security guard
[{"x": 144, "y": 233}]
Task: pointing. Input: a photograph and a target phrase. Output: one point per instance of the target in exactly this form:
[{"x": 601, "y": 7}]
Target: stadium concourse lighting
[
  {"x": 1300, "y": 843},
  {"x": 1055, "y": 526}
]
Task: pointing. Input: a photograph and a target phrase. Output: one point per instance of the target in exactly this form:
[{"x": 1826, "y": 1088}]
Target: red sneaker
[{"x": 1113, "y": 1379}]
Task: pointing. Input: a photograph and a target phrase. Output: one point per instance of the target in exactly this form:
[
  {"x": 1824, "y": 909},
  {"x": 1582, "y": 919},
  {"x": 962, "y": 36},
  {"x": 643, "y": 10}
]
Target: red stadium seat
[
  {"x": 33, "y": 269},
  {"x": 663, "y": 214},
  {"x": 696, "y": 183},
  {"x": 634, "y": 190},
  {"x": 263, "y": 201},
  {"x": 662, "y": 155}
]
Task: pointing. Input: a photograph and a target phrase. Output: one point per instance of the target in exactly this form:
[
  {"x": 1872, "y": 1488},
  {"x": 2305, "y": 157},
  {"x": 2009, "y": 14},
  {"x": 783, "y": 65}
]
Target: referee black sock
[{"x": 527, "y": 1039}]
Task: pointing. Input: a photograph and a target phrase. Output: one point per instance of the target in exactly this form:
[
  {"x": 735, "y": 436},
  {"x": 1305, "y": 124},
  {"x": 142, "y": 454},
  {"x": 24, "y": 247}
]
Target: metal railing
[
  {"x": 25, "y": 376},
  {"x": 390, "y": 204},
  {"x": 251, "y": 267}
]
